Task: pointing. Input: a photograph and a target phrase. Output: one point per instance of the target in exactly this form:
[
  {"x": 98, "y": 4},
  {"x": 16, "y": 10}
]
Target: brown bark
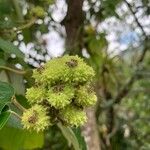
[{"x": 73, "y": 23}]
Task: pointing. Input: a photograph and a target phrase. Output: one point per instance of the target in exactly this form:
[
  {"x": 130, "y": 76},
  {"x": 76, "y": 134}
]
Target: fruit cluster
[{"x": 61, "y": 92}]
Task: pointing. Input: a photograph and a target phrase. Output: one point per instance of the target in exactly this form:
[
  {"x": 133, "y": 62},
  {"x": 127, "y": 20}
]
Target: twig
[
  {"x": 126, "y": 88},
  {"x": 15, "y": 114},
  {"x": 136, "y": 19},
  {"x": 23, "y": 26},
  {"x": 18, "y": 105},
  {"x": 13, "y": 70},
  {"x": 27, "y": 25}
]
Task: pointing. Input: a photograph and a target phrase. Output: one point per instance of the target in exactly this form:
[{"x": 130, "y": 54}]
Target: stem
[
  {"x": 15, "y": 114},
  {"x": 136, "y": 19},
  {"x": 13, "y": 70},
  {"x": 18, "y": 10},
  {"x": 18, "y": 105},
  {"x": 27, "y": 25}
]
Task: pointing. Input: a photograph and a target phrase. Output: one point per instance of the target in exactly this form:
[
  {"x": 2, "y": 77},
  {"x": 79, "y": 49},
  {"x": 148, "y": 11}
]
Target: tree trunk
[
  {"x": 73, "y": 23},
  {"x": 90, "y": 131}
]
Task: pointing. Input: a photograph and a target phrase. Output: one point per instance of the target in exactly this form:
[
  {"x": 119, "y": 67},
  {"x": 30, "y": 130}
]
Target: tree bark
[{"x": 73, "y": 23}]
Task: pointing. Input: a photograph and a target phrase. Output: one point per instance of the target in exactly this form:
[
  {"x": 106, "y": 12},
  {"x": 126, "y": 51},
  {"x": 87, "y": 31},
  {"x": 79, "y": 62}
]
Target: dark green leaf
[
  {"x": 6, "y": 93},
  {"x": 9, "y": 48},
  {"x": 4, "y": 118},
  {"x": 70, "y": 136},
  {"x": 77, "y": 132}
]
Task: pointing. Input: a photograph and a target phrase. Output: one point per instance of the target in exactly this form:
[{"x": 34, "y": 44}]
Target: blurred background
[{"x": 113, "y": 36}]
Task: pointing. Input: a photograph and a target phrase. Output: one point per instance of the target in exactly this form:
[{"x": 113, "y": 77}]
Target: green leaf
[
  {"x": 17, "y": 139},
  {"x": 9, "y": 48},
  {"x": 6, "y": 93},
  {"x": 4, "y": 118},
  {"x": 5, "y": 7},
  {"x": 77, "y": 132},
  {"x": 70, "y": 136}
]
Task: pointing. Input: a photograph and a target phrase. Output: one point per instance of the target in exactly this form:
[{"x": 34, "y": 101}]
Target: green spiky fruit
[
  {"x": 60, "y": 95},
  {"x": 85, "y": 96},
  {"x": 73, "y": 116},
  {"x": 53, "y": 72},
  {"x": 67, "y": 69},
  {"x": 35, "y": 94},
  {"x": 62, "y": 87},
  {"x": 35, "y": 118},
  {"x": 81, "y": 72}
]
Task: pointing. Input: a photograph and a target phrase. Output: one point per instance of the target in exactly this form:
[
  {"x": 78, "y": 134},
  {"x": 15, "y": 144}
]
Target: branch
[
  {"x": 28, "y": 24},
  {"x": 136, "y": 19},
  {"x": 126, "y": 88},
  {"x": 18, "y": 105},
  {"x": 15, "y": 114},
  {"x": 13, "y": 70}
]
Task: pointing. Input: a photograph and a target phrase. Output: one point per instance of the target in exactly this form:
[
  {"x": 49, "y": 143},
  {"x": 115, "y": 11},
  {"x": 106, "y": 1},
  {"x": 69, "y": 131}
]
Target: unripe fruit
[
  {"x": 35, "y": 94},
  {"x": 36, "y": 118},
  {"x": 60, "y": 95},
  {"x": 70, "y": 69},
  {"x": 85, "y": 96},
  {"x": 62, "y": 90},
  {"x": 73, "y": 116}
]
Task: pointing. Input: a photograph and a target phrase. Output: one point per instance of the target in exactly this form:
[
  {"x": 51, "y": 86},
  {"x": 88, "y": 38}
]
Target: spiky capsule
[
  {"x": 73, "y": 116},
  {"x": 35, "y": 118},
  {"x": 35, "y": 94},
  {"x": 65, "y": 69},
  {"x": 62, "y": 87},
  {"x": 85, "y": 96},
  {"x": 60, "y": 95}
]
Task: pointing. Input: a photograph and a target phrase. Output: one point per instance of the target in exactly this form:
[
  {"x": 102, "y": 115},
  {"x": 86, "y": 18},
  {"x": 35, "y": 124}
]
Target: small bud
[
  {"x": 72, "y": 63},
  {"x": 58, "y": 88},
  {"x": 38, "y": 12}
]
